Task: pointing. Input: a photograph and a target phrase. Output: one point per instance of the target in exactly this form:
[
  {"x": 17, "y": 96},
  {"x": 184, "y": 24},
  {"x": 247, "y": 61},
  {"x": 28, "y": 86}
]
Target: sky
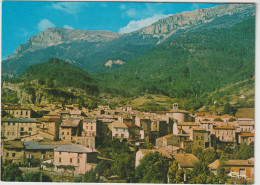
[{"x": 21, "y": 20}]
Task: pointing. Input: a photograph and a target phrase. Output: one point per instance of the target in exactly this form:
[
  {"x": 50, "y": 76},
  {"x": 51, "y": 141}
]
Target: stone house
[
  {"x": 238, "y": 168},
  {"x": 225, "y": 133},
  {"x": 201, "y": 138},
  {"x": 136, "y": 134},
  {"x": 51, "y": 126},
  {"x": 187, "y": 127},
  {"x": 91, "y": 127},
  {"x": 16, "y": 128},
  {"x": 13, "y": 152},
  {"x": 80, "y": 159},
  {"x": 69, "y": 128},
  {"x": 18, "y": 112},
  {"x": 185, "y": 161}
]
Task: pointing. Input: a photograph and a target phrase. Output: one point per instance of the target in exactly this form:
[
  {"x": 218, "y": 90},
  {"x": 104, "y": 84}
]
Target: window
[
  {"x": 78, "y": 161},
  {"x": 13, "y": 124},
  {"x": 68, "y": 133},
  {"x": 222, "y": 137},
  {"x": 122, "y": 136},
  {"x": 43, "y": 156},
  {"x": 91, "y": 127},
  {"x": 60, "y": 153},
  {"x": 22, "y": 129},
  {"x": 197, "y": 137},
  {"x": 26, "y": 113},
  {"x": 49, "y": 156},
  {"x": 62, "y": 133},
  {"x": 71, "y": 160},
  {"x": 116, "y": 129},
  {"x": 60, "y": 160},
  {"x": 8, "y": 123},
  {"x": 43, "y": 151},
  {"x": 202, "y": 137},
  {"x": 7, "y": 154},
  {"x": 30, "y": 128},
  {"x": 242, "y": 172},
  {"x": 13, "y": 154}
]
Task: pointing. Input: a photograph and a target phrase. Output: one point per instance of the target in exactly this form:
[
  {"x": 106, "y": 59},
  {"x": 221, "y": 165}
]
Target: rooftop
[
  {"x": 70, "y": 122},
  {"x": 74, "y": 149},
  {"x": 22, "y": 120},
  {"x": 246, "y": 134},
  {"x": 118, "y": 124},
  {"x": 13, "y": 144},
  {"x": 186, "y": 160}
]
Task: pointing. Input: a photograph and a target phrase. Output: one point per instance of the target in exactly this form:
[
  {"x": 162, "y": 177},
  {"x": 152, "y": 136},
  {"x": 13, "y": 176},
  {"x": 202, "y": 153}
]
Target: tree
[
  {"x": 36, "y": 177},
  {"x": 90, "y": 176},
  {"x": 49, "y": 83},
  {"x": 151, "y": 169},
  {"x": 104, "y": 168},
  {"x": 172, "y": 172},
  {"x": 12, "y": 173},
  {"x": 244, "y": 151}
]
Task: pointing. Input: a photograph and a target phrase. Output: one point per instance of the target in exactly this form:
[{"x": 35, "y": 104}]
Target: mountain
[
  {"x": 91, "y": 50},
  {"x": 55, "y": 80},
  {"x": 190, "y": 66}
]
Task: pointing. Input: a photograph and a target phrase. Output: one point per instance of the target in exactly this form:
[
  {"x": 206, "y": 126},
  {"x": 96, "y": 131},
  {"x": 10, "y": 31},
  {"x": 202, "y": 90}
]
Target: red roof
[{"x": 131, "y": 125}]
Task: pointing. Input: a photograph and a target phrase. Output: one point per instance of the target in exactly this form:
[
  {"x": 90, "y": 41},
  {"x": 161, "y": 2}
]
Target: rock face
[
  {"x": 111, "y": 62},
  {"x": 56, "y": 36},
  {"x": 193, "y": 20}
]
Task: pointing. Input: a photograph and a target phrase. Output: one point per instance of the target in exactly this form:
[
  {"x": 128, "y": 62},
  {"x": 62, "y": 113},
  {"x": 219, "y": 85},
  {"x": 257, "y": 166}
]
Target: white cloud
[
  {"x": 135, "y": 25},
  {"x": 69, "y": 7},
  {"x": 131, "y": 12},
  {"x": 67, "y": 27},
  {"x": 44, "y": 24},
  {"x": 122, "y": 7}
]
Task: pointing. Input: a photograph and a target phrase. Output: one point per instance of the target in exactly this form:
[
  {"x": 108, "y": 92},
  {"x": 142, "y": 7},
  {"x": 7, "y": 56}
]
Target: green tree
[
  {"x": 12, "y": 173},
  {"x": 172, "y": 172},
  {"x": 36, "y": 177},
  {"x": 152, "y": 169},
  {"x": 90, "y": 176},
  {"x": 49, "y": 83},
  {"x": 124, "y": 166},
  {"x": 104, "y": 168}
]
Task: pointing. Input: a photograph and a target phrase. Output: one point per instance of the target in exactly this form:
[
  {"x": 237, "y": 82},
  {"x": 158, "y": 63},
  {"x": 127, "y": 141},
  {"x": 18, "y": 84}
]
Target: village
[{"x": 65, "y": 139}]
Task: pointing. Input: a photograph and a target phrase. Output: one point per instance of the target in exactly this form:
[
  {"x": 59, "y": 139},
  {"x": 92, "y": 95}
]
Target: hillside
[
  {"x": 190, "y": 66},
  {"x": 91, "y": 50},
  {"x": 55, "y": 80}
]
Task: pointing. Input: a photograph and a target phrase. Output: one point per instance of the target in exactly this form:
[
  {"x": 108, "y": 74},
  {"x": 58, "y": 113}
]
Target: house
[
  {"x": 34, "y": 150},
  {"x": 187, "y": 127},
  {"x": 120, "y": 131},
  {"x": 207, "y": 125},
  {"x": 167, "y": 152},
  {"x": 75, "y": 114},
  {"x": 136, "y": 134},
  {"x": 225, "y": 133},
  {"x": 185, "y": 161},
  {"x": 69, "y": 128},
  {"x": 78, "y": 159},
  {"x": 238, "y": 168},
  {"x": 201, "y": 138},
  {"x": 16, "y": 128},
  {"x": 246, "y": 137},
  {"x": 18, "y": 112},
  {"x": 246, "y": 124},
  {"x": 91, "y": 127},
  {"x": 145, "y": 124},
  {"x": 168, "y": 140},
  {"x": 13, "y": 152},
  {"x": 50, "y": 126}
]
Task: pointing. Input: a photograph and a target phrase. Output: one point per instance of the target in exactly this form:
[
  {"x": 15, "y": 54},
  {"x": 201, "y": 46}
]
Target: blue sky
[{"x": 21, "y": 20}]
